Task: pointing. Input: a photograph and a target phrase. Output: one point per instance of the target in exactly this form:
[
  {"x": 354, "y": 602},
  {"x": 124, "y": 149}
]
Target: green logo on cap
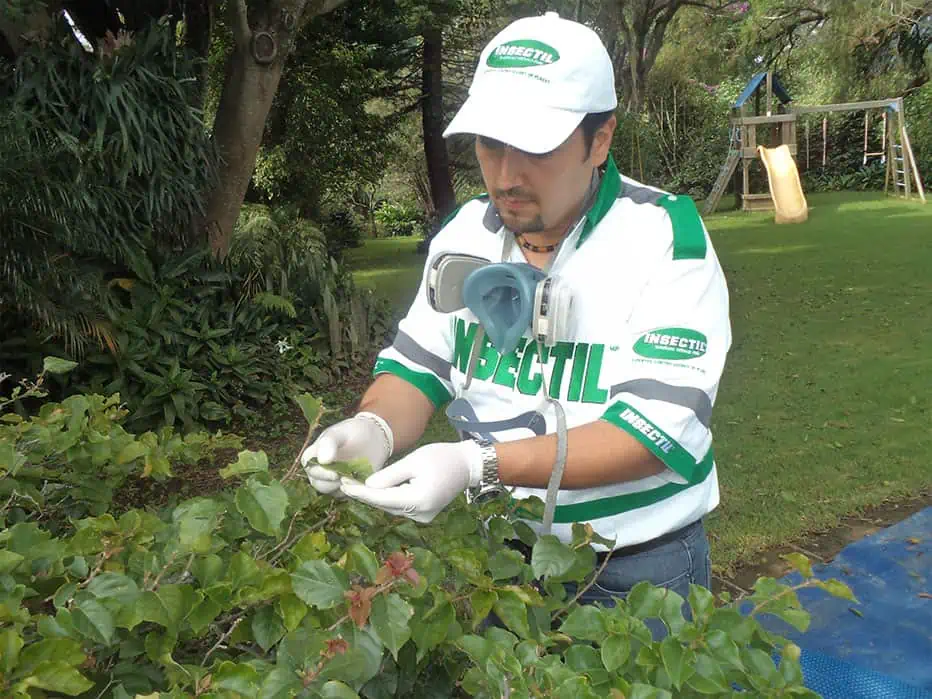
[
  {"x": 524, "y": 53},
  {"x": 672, "y": 343}
]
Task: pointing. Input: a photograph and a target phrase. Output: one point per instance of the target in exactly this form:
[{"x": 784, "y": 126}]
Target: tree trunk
[
  {"x": 253, "y": 73},
  {"x": 198, "y": 27},
  {"x": 443, "y": 199}
]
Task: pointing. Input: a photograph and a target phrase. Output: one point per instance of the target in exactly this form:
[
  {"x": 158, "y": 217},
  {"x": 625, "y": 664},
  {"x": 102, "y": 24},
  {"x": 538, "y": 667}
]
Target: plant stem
[
  {"x": 222, "y": 639},
  {"x": 583, "y": 591},
  {"x": 285, "y": 544}
]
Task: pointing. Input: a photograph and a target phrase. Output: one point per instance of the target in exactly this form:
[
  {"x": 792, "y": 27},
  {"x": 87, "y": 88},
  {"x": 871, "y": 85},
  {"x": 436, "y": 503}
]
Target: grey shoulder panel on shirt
[
  {"x": 640, "y": 195},
  {"x": 491, "y": 219}
]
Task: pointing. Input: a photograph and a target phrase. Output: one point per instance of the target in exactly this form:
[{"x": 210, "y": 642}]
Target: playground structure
[{"x": 785, "y": 195}]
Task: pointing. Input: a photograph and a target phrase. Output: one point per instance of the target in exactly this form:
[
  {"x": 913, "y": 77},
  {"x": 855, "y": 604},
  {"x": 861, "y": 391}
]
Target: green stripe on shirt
[
  {"x": 427, "y": 383},
  {"x": 619, "y": 504},
  {"x": 655, "y": 439}
]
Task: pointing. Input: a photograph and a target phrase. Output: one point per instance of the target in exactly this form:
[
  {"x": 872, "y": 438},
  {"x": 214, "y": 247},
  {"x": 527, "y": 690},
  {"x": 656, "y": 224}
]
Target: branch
[
  {"x": 584, "y": 590},
  {"x": 222, "y": 639},
  {"x": 242, "y": 33}
]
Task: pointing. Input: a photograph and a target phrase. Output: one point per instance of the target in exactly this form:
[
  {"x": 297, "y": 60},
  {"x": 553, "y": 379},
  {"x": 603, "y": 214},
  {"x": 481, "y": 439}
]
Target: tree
[{"x": 634, "y": 32}]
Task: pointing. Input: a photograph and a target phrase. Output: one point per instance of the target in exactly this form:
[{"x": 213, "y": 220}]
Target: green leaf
[
  {"x": 263, "y": 505},
  {"x": 361, "y": 560},
  {"x": 701, "y": 601},
  {"x": 248, "y": 462},
  {"x": 291, "y": 610},
  {"x": 586, "y": 623},
  {"x": 208, "y": 569},
  {"x": 11, "y": 643},
  {"x": 615, "y": 651},
  {"x": 644, "y": 691},
  {"x": 550, "y": 556},
  {"x": 334, "y": 689},
  {"x": 797, "y": 618},
  {"x": 837, "y": 588},
  {"x": 57, "y": 365},
  {"x": 481, "y": 602},
  {"x": 799, "y": 562},
  {"x": 506, "y": 564},
  {"x": 267, "y": 628},
  {"x": 58, "y": 676},
  {"x": 311, "y": 407},
  {"x": 202, "y": 614},
  {"x": 167, "y": 605},
  {"x": 196, "y": 519},
  {"x": 575, "y": 688},
  {"x": 671, "y": 612},
  {"x": 236, "y": 677},
  {"x": 319, "y": 585},
  {"x": 512, "y": 610},
  {"x": 9, "y": 561},
  {"x": 724, "y": 649},
  {"x": 676, "y": 660},
  {"x": 280, "y": 684},
  {"x": 93, "y": 621},
  {"x": 131, "y": 452},
  {"x": 708, "y": 677},
  {"x": 115, "y": 586},
  {"x": 311, "y": 547},
  {"x": 360, "y": 663},
  {"x": 468, "y": 562},
  {"x": 357, "y": 469},
  {"x": 389, "y": 619},
  {"x": 430, "y": 630},
  {"x": 645, "y": 600}
]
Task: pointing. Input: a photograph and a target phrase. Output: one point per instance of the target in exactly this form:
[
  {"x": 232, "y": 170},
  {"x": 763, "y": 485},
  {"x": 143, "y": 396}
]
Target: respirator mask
[{"x": 508, "y": 299}]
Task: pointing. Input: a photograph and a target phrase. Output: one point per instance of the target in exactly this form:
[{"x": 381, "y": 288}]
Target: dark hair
[{"x": 590, "y": 124}]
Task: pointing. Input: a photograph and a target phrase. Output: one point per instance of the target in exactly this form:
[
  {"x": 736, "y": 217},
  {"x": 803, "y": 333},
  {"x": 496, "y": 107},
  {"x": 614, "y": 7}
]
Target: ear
[{"x": 602, "y": 140}]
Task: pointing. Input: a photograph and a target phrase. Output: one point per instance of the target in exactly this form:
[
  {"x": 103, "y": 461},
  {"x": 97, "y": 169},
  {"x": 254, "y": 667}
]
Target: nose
[{"x": 510, "y": 168}]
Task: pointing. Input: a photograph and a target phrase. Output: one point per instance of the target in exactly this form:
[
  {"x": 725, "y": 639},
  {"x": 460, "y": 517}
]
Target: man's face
[{"x": 541, "y": 193}]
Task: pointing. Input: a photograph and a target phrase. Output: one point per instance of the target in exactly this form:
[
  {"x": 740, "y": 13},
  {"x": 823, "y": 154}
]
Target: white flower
[
  {"x": 283, "y": 346},
  {"x": 4, "y": 376}
]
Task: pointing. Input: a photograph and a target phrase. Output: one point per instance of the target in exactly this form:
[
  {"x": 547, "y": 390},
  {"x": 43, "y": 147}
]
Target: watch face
[{"x": 488, "y": 494}]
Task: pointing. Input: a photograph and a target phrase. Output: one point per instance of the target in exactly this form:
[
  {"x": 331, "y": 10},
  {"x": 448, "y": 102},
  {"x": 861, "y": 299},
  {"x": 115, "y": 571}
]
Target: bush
[
  {"x": 117, "y": 160},
  {"x": 342, "y": 231},
  {"x": 399, "y": 219},
  {"x": 269, "y": 590}
]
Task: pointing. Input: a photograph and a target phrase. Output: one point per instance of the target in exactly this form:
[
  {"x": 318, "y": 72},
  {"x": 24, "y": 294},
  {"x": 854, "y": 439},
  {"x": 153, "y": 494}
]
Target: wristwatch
[{"x": 490, "y": 484}]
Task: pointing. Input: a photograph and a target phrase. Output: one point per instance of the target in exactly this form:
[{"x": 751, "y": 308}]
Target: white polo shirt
[{"x": 650, "y": 338}]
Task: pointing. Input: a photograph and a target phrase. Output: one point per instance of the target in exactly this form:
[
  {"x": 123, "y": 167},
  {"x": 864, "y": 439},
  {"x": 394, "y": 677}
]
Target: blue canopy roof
[{"x": 755, "y": 83}]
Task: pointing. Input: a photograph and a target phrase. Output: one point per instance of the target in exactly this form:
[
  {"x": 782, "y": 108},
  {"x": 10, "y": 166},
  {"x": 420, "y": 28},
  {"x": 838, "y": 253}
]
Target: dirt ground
[{"x": 821, "y": 547}]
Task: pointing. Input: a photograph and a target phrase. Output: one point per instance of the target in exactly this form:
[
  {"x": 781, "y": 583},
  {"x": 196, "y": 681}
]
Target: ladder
[{"x": 728, "y": 169}]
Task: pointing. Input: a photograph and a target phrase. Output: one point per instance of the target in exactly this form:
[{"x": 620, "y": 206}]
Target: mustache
[{"x": 514, "y": 193}]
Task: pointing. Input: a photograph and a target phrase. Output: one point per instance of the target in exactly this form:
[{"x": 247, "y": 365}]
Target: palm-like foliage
[{"x": 101, "y": 156}]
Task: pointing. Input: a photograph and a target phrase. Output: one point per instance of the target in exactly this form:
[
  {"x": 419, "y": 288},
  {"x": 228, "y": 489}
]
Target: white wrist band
[{"x": 384, "y": 426}]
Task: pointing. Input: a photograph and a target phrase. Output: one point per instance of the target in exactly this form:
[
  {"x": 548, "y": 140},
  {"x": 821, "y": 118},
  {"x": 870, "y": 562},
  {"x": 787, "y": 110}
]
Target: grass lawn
[{"x": 825, "y": 405}]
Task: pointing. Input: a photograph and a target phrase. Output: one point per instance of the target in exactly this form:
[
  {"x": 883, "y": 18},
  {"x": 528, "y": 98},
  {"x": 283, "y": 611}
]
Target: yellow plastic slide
[{"x": 785, "y": 187}]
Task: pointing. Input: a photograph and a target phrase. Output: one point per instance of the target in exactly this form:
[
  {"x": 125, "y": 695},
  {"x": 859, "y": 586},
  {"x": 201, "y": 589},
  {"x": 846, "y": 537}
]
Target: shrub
[
  {"x": 269, "y": 590},
  {"x": 399, "y": 219}
]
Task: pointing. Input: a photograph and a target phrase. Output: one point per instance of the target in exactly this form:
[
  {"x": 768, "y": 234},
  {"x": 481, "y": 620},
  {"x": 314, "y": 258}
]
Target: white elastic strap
[
  {"x": 559, "y": 464},
  {"x": 384, "y": 426}
]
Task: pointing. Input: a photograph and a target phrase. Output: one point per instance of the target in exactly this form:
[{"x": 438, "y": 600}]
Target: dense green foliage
[
  {"x": 103, "y": 155},
  {"x": 267, "y": 590}
]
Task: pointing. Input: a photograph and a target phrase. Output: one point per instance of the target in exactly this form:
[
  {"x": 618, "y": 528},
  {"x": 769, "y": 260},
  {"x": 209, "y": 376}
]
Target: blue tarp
[{"x": 880, "y": 648}]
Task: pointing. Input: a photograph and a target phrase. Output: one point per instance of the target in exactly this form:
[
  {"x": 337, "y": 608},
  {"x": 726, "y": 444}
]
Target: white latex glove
[
  {"x": 421, "y": 484},
  {"x": 363, "y": 436}
]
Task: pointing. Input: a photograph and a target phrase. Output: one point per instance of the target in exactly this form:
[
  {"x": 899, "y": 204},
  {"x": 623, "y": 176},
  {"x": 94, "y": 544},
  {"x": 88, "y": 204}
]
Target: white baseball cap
[{"x": 535, "y": 82}]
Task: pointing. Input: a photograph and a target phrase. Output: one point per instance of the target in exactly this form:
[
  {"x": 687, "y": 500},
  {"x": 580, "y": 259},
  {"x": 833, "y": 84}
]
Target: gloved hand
[
  {"x": 363, "y": 436},
  {"x": 421, "y": 484}
]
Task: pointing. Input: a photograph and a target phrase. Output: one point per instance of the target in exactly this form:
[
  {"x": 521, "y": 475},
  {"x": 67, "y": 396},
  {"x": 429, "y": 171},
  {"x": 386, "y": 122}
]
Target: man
[{"x": 636, "y": 368}]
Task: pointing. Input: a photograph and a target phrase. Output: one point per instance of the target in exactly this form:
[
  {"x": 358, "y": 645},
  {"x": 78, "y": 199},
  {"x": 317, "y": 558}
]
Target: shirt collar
[{"x": 603, "y": 191}]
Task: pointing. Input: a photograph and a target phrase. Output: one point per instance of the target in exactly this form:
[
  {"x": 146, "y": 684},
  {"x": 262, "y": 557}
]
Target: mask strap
[{"x": 474, "y": 354}]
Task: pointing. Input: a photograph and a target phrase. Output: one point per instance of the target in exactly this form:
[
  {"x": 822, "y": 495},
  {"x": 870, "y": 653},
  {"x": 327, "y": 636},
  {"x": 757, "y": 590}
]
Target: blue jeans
[{"x": 673, "y": 565}]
